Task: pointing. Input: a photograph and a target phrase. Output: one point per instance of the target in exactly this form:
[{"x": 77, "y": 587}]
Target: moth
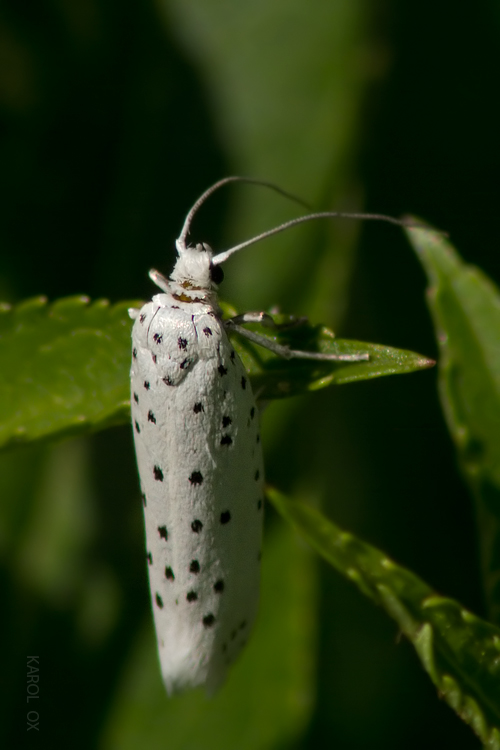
[{"x": 199, "y": 455}]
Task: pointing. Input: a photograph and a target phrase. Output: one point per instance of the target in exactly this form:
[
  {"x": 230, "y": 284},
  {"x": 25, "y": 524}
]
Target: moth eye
[{"x": 216, "y": 274}]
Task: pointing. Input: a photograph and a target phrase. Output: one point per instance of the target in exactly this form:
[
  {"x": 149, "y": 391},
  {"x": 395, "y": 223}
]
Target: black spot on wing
[
  {"x": 243, "y": 382},
  {"x": 158, "y": 338},
  {"x": 252, "y": 412},
  {"x": 196, "y": 477},
  {"x": 136, "y": 398},
  {"x": 146, "y": 385},
  {"x": 158, "y": 474},
  {"x": 151, "y": 417},
  {"x": 219, "y": 586},
  {"x": 142, "y": 318},
  {"x": 168, "y": 380},
  {"x": 149, "y": 558},
  {"x": 198, "y": 407},
  {"x": 169, "y": 574},
  {"x": 143, "y": 496},
  {"x": 226, "y": 440},
  {"x": 162, "y": 531},
  {"x": 182, "y": 343},
  {"x": 208, "y": 620},
  {"x": 196, "y": 526},
  {"x": 226, "y": 421},
  {"x": 257, "y": 475},
  {"x": 137, "y": 428},
  {"x": 225, "y": 517},
  {"x": 134, "y": 353},
  {"x": 222, "y": 370},
  {"x": 159, "y": 601},
  {"x": 207, "y": 331},
  {"x": 191, "y": 596},
  {"x": 194, "y": 566}
]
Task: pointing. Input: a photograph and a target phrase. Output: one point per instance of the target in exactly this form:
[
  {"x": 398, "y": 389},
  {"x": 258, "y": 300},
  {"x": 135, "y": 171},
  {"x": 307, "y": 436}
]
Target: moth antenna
[
  {"x": 406, "y": 222},
  {"x": 181, "y": 241}
]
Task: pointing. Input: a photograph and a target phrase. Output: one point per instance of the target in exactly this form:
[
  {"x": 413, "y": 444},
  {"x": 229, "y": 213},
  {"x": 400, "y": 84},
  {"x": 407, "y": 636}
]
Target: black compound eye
[{"x": 216, "y": 274}]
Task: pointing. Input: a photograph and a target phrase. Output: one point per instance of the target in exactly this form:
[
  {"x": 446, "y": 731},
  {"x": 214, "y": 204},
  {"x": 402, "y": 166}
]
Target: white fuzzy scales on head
[{"x": 193, "y": 267}]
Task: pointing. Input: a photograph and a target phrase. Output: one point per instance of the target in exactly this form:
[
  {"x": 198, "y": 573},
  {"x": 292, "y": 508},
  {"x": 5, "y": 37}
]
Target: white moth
[{"x": 199, "y": 455}]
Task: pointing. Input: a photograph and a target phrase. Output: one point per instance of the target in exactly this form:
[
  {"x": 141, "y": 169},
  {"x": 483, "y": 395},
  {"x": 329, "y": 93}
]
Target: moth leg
[
  {"x": 267, "y": 321},
  {"x": 159, "y": 280},
  {"x": 285, "y": 351},
  {"x": 253, "y": 317}
]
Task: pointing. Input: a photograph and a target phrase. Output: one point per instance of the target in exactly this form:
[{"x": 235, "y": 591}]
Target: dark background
[{"x": 113, "y": 118}]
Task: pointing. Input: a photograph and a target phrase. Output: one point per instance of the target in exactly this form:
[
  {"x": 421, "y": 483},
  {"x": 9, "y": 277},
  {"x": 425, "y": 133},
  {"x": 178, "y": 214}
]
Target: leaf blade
[
  {"x": 465, "y": 306},
  {"x": 62, "y": 368},
  {"x": 274, "y": 377}
]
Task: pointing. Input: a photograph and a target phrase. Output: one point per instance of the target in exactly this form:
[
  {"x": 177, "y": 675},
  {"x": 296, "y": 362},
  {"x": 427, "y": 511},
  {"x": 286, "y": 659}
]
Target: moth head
[{"x": 194, "y": 267}]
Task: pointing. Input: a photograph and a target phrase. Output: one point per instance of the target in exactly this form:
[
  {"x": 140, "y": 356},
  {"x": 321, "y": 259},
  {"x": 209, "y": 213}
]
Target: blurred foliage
[{"x": 114, "y": 117}]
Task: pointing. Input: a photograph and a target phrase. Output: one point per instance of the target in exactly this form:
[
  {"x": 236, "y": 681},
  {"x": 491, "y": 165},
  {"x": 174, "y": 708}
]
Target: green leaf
[
  {"x": 274, "y": 377},
  {"x": 465, "y": 306},
  {"x": 63, "y": 368},
  {"x": 459, "y": 651}
]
